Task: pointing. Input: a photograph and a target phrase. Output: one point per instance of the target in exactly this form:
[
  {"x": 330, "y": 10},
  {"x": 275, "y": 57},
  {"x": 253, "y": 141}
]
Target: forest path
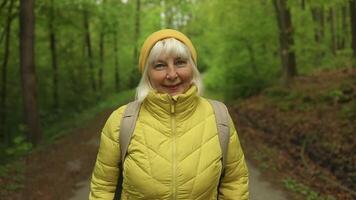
[
  {"x": 66, "y": 166},
  {"x": 260, "y": 188}
]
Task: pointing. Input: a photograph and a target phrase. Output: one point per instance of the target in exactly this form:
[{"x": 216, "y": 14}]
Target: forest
[{"x": 61, "y": 58}]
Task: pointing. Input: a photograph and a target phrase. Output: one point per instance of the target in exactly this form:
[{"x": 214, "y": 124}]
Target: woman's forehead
[{"x": 166, "y": 56}]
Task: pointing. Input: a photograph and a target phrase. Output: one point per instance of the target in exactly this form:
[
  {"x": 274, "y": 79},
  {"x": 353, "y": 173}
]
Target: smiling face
[{"x": 170, "y": 74}]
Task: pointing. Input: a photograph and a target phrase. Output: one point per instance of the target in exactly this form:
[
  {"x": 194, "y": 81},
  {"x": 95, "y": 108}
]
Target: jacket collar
[{"x": 162, "y": 104}]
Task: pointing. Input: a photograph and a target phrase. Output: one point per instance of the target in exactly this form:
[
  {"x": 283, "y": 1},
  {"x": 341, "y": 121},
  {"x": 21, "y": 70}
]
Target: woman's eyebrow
[{"x": 159, "y": 60}]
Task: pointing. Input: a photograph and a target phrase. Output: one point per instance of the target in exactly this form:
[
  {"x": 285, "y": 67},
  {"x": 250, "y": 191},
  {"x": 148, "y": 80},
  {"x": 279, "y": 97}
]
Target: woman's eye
[
  {"x": 181, "y": 62},
  {"x": 159, "y": 66}
]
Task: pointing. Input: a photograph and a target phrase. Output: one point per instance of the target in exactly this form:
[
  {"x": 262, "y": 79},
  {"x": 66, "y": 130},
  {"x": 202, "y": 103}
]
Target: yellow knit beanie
[{"x": 160, "y": 35}]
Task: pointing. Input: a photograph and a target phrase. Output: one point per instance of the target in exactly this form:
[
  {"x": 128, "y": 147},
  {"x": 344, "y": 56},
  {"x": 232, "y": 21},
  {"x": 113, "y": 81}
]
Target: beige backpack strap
[
  {"x": 127, "y": 126},
  {"x": 222, "y": 123}
]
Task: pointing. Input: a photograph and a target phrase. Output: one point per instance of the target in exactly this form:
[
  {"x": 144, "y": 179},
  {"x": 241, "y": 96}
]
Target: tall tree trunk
[
  {"x": 28, "y": 74},
  {"x": 303, "y": 4},
  {"x": 343, "y": 34},
  {"x": 353, "y": 25},
  {"x": 251, "y": 53},
  {"x": 332, "y": 31},
  {"x": 101, "y": 67},
  {"x": 101, "y": 49},
  {"x": 286, "y": 40},
  {"x": 318, "y": 18},
  {"x": 89, "y": 49},
  {"x": 322, "y": 23},
  {"x": 134, "y": 75},
  {"x": 3, "y": 134},
  {"x": 116, "y": 52},
  {"x": 53, "y": 47},
  {"x": 2, "y": 6}
]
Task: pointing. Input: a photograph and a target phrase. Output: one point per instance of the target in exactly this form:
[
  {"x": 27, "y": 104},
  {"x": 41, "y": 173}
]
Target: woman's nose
[{"x": 171, "y": 72}]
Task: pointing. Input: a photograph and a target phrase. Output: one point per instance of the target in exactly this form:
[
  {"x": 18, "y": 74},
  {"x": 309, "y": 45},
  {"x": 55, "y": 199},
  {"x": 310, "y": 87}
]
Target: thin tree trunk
[
  {"x": 28, "y": 74},
  {"x": 116, "y": 52},
  {"x": 53, "y": 47},
  {"x": 89, "y": 50},
  {"x": 303, "y": 4},
  {"x": 333, "y": 31},
  {"x": 5, "y": 136},
  {"x": 353, "y": 25},
  {"x": 322, "y": 23},
  {"x": 252, "y": 56},
  {"x": 284, "y": 20},
  {"x": 316, "y": 25},
  {"x": 318, "y": 18},
  {"x": 101, "y": 67},
  {"x": 101, "y": 49},
  {"x": 343, "y": 34},
  {"x": 134, "y": 75}
]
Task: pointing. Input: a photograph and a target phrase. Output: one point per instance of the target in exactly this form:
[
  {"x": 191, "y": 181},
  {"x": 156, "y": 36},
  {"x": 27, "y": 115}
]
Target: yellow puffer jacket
[{"x": 174, "y": 154}]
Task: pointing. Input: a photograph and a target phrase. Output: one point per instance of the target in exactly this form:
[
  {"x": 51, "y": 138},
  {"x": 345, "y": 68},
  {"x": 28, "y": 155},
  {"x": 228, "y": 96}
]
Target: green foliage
[
  {"x": 277, "y": 92},
  {"x": 306, "y": 191},
  {"x": 20, "y": 147},
  {"x": 67, "y": 121},
  {"x": 287, "y": 99},
  {"x": 14, "y": 173},
  {"x": 237, "y": 44},
  {"x": 348, "y": 111},
  {"x": 341, "y": 94},
  {"x": 333, "y": 95}
]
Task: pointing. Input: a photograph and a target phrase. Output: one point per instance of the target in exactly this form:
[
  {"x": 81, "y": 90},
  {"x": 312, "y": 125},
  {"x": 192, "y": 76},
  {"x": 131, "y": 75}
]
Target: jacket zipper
[{"x": 173, "y": 127}]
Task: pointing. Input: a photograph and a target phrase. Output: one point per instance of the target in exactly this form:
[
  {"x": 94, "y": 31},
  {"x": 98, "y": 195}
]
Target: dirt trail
[
  {"x": 260, "y": 189},
  {"x": 62, "y": 170}
]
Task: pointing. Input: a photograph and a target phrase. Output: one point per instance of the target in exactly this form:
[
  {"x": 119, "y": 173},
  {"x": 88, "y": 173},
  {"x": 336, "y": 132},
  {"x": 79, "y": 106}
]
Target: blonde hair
[{"x": 173, "y": 47}]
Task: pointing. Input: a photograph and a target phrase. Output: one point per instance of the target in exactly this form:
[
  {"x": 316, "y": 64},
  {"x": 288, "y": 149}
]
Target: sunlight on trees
[{"x": 88, "y": 49}]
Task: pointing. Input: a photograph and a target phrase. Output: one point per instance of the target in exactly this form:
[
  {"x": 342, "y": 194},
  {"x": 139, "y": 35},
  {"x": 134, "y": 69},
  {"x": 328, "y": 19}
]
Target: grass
[
  {"x": 12, "y": 167},
  {"x": 14, "y": 173},
  {"x": 61, "y": 126},
  {"x": 214, "y": 95},
  {"x": 304, "y": 190},
  {"x": 76, "y": 119}
]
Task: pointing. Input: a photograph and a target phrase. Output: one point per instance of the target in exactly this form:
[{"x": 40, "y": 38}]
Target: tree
[
  {"x": 353, "y": 25},
  {"x": 28, "y": 74},
  {"x": 286, "y": 40},
  {"x": 332, "y": 31},
  {"x": 318, "y": 18},
  {"x": 343, "y": 32},
  {"x": 53, "y": 48},
  {"x": 5, "y": 60},
  {"x": 116, "y": 63},
  {"x": 89, "y": 48},
  {"x": 101, "y": 46},
  {"x": 134, "y": 75}
]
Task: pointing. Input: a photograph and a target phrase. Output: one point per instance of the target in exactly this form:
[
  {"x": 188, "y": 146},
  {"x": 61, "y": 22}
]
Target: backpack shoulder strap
[
  {"x": 222, "y": 124},
  {"x": 127, "y": 126}
]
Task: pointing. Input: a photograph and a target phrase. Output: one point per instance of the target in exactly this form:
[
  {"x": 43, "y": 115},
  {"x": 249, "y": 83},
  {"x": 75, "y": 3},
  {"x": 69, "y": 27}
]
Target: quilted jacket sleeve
[
  {"x": 234, "y": 185},
  {"x": 106, "y": 172}
]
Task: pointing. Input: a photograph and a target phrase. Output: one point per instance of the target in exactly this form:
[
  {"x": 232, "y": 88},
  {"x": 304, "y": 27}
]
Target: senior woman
[{"x": 174, "y": 151}]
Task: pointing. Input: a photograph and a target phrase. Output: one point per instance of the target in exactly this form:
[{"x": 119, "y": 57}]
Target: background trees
[
  {"x": 86, "y": 50},
  {"x": 240, "y": 42}
]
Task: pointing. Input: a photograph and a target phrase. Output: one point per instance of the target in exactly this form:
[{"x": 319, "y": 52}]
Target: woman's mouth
[{"x": 172, "y": 87}]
